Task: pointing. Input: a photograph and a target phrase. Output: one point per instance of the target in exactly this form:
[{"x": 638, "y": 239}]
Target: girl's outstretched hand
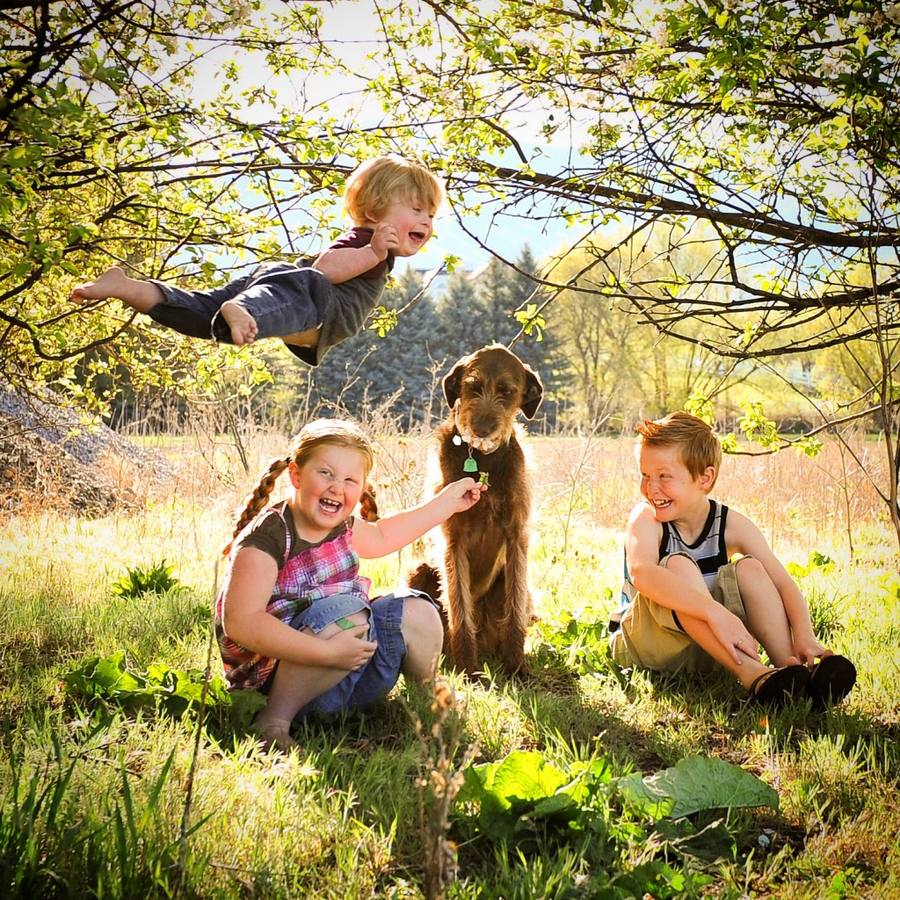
[{"x": 464, "y": 494}]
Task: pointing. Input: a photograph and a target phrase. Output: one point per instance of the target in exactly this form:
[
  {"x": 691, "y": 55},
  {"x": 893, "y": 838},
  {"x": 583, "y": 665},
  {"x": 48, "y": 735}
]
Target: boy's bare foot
[
  {"x": 140, "y": 295},
  {"x": 242, "y": 324}
]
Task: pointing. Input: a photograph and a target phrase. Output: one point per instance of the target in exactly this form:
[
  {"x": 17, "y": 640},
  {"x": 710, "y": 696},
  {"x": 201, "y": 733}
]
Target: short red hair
[{"x": 699, "y": 445}]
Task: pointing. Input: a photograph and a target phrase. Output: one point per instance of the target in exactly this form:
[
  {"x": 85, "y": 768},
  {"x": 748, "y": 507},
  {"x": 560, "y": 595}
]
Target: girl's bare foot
[
  {"x": 140, "y": 295},
  {"x": 242, "y": 324},
  {"x": 275, "y": 734}
]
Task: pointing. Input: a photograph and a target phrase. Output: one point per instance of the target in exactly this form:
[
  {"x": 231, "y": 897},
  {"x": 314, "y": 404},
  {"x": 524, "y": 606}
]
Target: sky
[{"x": 351, "y": 25}]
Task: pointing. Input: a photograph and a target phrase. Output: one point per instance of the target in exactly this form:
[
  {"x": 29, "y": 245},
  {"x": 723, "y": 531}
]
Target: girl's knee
[
  {"x": 423, "y": 635},
  {"x": 421, "y": 620}
]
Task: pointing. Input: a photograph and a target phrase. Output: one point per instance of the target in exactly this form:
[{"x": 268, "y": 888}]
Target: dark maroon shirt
[{"x": 362, "y": 237}]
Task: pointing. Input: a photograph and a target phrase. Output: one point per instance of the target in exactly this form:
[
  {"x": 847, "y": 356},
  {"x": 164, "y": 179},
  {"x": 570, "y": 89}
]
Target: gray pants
[{"x": 281, "y": 297}]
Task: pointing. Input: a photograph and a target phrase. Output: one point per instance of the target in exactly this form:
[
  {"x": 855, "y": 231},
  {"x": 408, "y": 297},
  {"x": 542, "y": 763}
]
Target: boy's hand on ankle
[
  {"x": 807, "y": 649},
  {"x": 732, "y": 634}
]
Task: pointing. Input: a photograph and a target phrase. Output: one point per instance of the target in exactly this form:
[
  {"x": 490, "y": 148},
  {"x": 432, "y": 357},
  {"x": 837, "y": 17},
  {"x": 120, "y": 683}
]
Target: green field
[{"x": 124, "y": 795}]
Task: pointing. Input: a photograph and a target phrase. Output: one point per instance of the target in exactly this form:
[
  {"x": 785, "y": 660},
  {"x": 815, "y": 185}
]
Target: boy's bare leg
[
  {"x": 766, "y": 617},
  {"x": 242, "y": 324},
  {"x": 139, "y": 295},
  {"x": 749, "y": 669}
]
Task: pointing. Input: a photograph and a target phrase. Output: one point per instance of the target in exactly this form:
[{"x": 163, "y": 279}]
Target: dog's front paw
[{"x": 523, "y": 675}]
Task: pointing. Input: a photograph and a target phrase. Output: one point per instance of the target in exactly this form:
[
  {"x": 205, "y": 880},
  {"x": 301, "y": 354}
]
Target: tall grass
[{"x": 91, "y": 799}]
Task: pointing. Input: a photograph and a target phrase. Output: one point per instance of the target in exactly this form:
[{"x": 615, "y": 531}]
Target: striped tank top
[{"x": 708, "y": 551}]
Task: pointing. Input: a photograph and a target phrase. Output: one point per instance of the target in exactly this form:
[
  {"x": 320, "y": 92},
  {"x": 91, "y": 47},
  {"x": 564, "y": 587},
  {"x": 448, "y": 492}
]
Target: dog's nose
[{"x": 483, "y": 429}]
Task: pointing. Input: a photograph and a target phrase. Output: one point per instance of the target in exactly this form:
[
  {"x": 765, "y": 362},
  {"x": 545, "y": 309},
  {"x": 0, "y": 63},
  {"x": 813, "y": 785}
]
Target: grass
[{"x": 92, "y": 801}]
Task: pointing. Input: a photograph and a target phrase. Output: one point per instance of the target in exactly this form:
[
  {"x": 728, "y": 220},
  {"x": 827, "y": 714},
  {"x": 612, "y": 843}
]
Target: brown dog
[{"x": 484, "y": 570}]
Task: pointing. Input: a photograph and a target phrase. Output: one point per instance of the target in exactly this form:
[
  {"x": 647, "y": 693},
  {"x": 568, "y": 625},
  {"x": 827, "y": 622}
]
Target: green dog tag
[{"x": 470, "y": 465}]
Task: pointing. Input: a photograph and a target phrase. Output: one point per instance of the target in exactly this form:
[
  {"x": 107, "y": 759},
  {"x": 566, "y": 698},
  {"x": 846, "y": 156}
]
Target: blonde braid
[
  {"x": 368, "y": 506},
  {"x": 257, "y": 499}
]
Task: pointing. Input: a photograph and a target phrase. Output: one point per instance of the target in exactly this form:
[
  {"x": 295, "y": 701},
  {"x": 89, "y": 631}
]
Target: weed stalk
[{"x": 441, "y": 771}]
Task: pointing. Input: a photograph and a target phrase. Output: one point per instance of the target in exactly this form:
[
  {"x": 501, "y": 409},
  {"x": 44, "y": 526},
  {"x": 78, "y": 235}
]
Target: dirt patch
[{"x": 49, "y": 459}]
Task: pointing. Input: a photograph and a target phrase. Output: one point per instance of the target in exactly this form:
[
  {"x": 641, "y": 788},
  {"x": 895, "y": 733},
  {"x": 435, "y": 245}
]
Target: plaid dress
[{"x": 322, "y": 570}]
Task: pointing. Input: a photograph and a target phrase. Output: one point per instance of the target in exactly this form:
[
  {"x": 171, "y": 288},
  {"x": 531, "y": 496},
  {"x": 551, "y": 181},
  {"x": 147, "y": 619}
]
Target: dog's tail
[{"x": 425, "y": 578}]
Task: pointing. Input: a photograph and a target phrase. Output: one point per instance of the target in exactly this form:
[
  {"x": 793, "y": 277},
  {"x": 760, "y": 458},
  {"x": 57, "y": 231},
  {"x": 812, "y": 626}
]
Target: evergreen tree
[
  {"x": 366, "y": 370},
  {"x": 460, "y": 315},
  {"x": 502, "y": 290}
]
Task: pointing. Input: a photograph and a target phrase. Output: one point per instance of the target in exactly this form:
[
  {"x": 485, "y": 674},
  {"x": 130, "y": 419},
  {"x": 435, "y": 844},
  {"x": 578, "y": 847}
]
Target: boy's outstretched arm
[
  {"x": 669, "y": 589},
  {"x": 746, "y": 538},
  {"x": 343, "y": 263},
  {"x": 374, "y": 539}
]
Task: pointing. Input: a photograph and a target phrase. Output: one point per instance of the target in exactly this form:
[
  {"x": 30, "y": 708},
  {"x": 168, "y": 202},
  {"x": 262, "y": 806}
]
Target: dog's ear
[
  {"x": 453, "y": 381},
  {"x": 534, "y": 392}
]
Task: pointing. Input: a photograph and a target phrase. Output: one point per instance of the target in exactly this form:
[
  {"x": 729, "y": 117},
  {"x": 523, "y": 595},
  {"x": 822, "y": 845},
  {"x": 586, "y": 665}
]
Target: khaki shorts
[{"x": 649, "y": 635}]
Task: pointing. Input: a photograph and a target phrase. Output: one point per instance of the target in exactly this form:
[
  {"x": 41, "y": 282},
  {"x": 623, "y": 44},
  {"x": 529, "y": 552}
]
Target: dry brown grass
[{"x": 824, "y": 502}]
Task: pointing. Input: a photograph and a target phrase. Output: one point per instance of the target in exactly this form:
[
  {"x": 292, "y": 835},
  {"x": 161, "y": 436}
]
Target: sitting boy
[{"x": 685, "y": 606}]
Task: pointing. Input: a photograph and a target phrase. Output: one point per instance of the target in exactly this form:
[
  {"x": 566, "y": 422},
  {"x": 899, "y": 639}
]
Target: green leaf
[
  {"x": 695, "y": 784},
  {"x": 108, "y": 683},
  {"x": 531, "y": 321},
  {"x": 809, "y": 445},
  {"x": 523, "y": 775},
  {"x": 154, "y": 579},
  {"x": 713, "y": 843},
  {"x": 383, "y": 320}
]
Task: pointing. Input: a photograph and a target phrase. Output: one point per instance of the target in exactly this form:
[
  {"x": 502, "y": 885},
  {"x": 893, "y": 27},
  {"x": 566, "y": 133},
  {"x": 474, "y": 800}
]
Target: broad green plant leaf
[
  {"x": 524, "y": 792},
  {"x": 692, "y": 785},
  {"x": 107, "y": 683}
]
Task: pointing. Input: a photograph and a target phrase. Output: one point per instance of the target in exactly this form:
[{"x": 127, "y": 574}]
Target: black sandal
[
  {"x": 831, "y": 681},
  {"x": 776, "y": 687}
]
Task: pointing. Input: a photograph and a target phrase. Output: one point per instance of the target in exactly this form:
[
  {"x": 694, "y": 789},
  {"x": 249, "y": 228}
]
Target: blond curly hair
[{"x": 375, "y": 184}]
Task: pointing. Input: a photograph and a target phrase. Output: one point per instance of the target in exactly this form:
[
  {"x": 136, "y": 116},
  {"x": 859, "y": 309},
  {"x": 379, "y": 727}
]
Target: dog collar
[{"x": 470, "y": 466}]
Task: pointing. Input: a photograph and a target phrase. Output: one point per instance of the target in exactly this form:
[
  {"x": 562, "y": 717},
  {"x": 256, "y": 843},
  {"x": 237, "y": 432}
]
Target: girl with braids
[{"x": 294, "y": 619}]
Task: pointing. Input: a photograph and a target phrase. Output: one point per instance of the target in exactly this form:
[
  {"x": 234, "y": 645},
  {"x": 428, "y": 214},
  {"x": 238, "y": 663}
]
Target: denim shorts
[
  {"x": 366, "y": 686},
  {"x": 327, "y": 610}
]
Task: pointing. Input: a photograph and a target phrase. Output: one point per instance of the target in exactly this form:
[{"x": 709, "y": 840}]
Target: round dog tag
[
  {"x": 470, "y": 465},
  {"x": 457, "y": 440}
]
